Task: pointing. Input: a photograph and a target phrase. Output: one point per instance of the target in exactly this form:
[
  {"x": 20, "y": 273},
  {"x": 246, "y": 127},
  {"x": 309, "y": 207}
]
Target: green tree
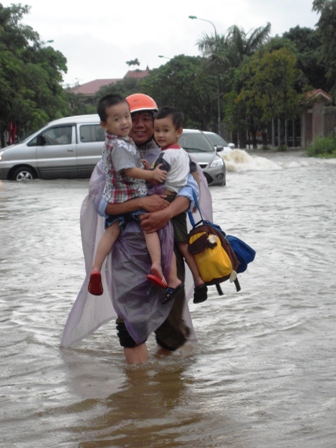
[
  {"x": 183, "y": 83},
  {"x": 225, "y": 53},
  {"x": 133, "y": 62},
  {"x": 214, "y": 50},
  {"x": 268, "y": 88},
  {"x": 30, "y": 74},
  {"x": 308, "y": 51},
  {"x": 79, "y": 104},
  {"x": 242, "y": 44},
  {"x": 327, "y": 31}
]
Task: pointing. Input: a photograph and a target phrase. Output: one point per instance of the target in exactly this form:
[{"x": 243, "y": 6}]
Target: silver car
[
  {"x": 219, "y": 143},
  {"x": 66, "y": 148},
  {"x": 203, "y": 152}
]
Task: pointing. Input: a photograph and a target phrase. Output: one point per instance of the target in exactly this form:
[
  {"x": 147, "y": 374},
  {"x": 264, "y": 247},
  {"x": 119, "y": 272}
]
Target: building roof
[
  {"x": 138, "y": 74},
  {"x": 90, "y": 88},
  {"x": 317, "y": 94}
]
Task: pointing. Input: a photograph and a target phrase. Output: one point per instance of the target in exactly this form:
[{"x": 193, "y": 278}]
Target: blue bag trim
[{"x": 243, "y": 251}]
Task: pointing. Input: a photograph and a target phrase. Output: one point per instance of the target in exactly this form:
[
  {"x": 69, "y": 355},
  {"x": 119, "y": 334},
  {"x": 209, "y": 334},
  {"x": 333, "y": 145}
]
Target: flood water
[{"x": 263, "y": 372}]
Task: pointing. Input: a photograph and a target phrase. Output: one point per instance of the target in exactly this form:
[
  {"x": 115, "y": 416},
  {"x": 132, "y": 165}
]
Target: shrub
[
  {"x": 323, "y": 147},
  {"x": 282, "y": 148}
]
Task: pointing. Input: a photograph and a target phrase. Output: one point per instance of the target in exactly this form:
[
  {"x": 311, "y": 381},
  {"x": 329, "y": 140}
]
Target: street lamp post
[
  {"x": 218, "y": 91},
  {"x": 164, "y": 57},
  {"x": 204, "y": 20}
]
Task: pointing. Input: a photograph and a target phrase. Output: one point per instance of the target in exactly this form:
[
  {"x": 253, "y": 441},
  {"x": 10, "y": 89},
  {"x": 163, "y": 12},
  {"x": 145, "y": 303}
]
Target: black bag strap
[
  {"x": 237, "y": 285},
  {"x": 219, "y": 289}
]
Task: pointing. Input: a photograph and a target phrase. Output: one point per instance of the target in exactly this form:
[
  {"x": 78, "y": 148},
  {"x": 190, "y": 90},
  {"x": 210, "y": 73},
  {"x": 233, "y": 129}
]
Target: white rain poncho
[{"x": 127, "y": 292}]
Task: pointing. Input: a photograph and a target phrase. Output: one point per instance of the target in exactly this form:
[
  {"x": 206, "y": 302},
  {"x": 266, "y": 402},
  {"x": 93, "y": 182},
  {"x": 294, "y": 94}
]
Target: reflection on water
[{"x": 261, "y": 374}]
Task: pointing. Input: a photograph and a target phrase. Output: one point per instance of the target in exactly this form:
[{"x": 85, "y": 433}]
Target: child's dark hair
[
  {"x": 174, "y": 113},
  {"x": 107, "y": 101}
]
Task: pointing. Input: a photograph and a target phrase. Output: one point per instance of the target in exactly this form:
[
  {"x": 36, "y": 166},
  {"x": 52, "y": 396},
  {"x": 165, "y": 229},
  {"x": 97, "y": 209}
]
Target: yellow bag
[
  {"x": 213, "y": 262},
  {"x": 213, "y": 254}
]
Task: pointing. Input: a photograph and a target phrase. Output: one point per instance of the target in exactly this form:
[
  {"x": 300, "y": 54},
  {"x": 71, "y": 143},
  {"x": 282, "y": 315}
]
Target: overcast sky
[{"x": 98, "y": 37}]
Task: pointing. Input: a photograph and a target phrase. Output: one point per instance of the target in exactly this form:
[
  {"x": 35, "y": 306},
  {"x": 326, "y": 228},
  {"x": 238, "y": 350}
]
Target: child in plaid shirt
[{"x": 125, "y": 179}]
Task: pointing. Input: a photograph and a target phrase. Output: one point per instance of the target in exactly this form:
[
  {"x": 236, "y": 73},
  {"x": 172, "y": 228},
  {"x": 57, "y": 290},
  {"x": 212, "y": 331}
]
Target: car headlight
[
  {"x": 218, "y": 161},
  {"x": 1, "y": 152}
]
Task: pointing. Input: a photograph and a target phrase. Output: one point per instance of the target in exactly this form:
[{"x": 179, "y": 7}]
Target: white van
[
  {"x": 71, "y": 147},
  {"x": 66, "y": 148}
]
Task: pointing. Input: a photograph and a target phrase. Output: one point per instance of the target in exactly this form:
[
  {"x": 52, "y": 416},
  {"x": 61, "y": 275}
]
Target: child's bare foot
[{"x": 95, "y": 284}]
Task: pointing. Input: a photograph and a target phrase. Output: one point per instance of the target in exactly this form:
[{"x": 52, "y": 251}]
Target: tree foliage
[
  {"x": 268, "y": 80},
  {"x": 327, "y": 31},
  {"x": 30, "y": 74},
  {"x": 242, "y": 44},
  {"x": 184, "y": 83},
  {"x": 308, "y": 52},
  {"x": 266, "y": 89},
  {"x": 225, "y": 54},
  {"x": 133, "y": 62}
]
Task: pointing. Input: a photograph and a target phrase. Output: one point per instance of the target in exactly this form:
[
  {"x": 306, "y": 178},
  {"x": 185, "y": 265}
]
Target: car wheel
[
  {"x": 24, "y": 173},
  {"x": 223, "y": 184}
]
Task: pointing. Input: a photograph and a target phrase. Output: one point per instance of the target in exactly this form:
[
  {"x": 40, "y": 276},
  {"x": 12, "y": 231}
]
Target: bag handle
[
  {"x": 202, "y": 221},
  {"x": 191, "y": 218}
]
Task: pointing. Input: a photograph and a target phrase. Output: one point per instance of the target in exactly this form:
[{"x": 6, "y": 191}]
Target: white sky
[{"x": 98, "y": 37}]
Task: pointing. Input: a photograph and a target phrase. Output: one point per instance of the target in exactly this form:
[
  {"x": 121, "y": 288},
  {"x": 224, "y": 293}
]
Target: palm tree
[
  {"x": 242, "y": 44},
  {"x": 229, "y": 51},
  {"x": 214, "y": 49}
]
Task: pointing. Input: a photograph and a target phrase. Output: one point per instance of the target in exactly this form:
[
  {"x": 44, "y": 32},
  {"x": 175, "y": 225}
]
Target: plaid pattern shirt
[{"x": 120, "y": 153}]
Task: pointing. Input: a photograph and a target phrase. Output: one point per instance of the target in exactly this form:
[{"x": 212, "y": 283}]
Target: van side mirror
[{"x": 41, "y": 141}]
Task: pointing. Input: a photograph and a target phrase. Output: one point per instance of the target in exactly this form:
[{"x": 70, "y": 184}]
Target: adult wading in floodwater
[{"x": 128, "y": 296}]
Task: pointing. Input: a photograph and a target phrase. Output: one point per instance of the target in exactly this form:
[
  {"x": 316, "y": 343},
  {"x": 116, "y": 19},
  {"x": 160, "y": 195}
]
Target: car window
[
  {"x": 58, "y": 135},
  {"x": 195, "y": 142},
  {"x": 216, "y": 139},
  {"x": 91, "y": 133},
  {"x": 33, "y": 142}
]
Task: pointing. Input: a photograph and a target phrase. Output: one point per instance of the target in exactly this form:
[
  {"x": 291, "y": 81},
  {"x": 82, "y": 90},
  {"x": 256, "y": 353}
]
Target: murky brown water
[{"x": 263, "y": 371}]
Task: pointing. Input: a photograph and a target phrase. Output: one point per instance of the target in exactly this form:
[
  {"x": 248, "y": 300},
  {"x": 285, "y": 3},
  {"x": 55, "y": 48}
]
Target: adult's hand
[
  {"x": 152, "y": 222},
  {"x": 154, "y": 203}
]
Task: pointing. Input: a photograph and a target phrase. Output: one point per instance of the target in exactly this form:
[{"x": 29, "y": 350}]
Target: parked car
[
  {"x": 71, "y": 147},
  {"x": 66, "y": 148},
  {"x": 203, "y": 152},
  {"x": 219, "y": 143}
]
